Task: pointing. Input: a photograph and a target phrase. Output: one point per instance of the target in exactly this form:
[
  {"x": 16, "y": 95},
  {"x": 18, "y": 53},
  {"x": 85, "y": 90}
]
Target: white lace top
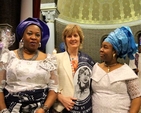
[
  {"x": 113, "y": 91},
  {"x": 24, "y": 75}
]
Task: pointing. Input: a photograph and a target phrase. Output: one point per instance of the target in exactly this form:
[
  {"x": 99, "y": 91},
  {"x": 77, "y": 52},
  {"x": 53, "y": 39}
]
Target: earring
[
  {"x": 114, "y": 55},
  {"x": 21, "y": 43},
  {"x": 39, "y": 44}
]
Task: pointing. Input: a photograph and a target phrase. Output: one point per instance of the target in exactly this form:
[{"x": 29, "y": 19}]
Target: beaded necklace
[{"x": 20, "y": 54}]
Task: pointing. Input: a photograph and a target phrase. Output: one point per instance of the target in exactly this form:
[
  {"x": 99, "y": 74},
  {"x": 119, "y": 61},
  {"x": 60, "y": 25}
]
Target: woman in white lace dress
[
  {"x": 28, "y": 80},
  {"x": 115, "y": 85}
]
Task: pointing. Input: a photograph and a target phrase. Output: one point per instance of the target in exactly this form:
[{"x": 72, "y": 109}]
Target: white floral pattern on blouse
[{"x": 24, "y": 75}]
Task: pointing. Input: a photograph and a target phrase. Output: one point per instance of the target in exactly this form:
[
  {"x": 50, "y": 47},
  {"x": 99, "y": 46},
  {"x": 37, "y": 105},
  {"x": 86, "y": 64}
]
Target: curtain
[{"x": 36, "y": 8}]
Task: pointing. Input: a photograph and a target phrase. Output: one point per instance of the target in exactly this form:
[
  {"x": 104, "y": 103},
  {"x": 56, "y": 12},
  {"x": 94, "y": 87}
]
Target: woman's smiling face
[{"x": 73, "y": 40}]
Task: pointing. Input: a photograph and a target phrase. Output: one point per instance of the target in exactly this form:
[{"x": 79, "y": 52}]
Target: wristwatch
[{"x": 45, "y": 108}]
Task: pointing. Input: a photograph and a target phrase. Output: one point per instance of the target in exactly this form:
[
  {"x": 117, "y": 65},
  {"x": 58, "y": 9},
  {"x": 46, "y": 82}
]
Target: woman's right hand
[{"x": 68, "y": 102}]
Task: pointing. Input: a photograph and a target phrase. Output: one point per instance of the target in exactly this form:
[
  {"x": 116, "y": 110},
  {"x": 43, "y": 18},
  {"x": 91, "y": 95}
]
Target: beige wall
[
  {"x": 92, "y": 40},
  {"x": 93, "y": 37}
]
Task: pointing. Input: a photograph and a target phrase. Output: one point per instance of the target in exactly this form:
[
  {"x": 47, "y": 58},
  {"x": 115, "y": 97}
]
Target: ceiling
[{"x": 100, "y": 12}]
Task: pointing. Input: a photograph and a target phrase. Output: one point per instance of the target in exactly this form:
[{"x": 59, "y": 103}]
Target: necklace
[
  {"x": 20, "y": 54},
  {"x": 108, "y": 66},
  {"x": 73, "y": 58}
]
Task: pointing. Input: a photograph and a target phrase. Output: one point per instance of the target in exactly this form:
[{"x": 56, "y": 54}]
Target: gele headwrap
[
  {"x": 122, "y": 40},
  {"x": 29, "y": 21}
]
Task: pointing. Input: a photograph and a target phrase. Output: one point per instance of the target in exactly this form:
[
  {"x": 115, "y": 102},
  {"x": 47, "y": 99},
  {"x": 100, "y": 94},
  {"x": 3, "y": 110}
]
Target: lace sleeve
[
  {"x": 133, "y": 88},
  {"x": 53, "y": 84},
  {"x": 3, "y": 64},
  {"x": 4, "y": 58},
  {"x": 50, "y": 65}
]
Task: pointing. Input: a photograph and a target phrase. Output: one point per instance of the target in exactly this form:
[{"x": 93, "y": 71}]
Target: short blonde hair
[{"x": 69, "y": 30}]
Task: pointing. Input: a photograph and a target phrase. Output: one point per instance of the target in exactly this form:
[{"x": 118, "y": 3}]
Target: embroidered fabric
[{"x": 27, "y": 75}]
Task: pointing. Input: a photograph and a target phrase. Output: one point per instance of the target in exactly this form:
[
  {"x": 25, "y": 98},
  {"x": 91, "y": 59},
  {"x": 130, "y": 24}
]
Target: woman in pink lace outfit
[{"x": 115, "y": 85}]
